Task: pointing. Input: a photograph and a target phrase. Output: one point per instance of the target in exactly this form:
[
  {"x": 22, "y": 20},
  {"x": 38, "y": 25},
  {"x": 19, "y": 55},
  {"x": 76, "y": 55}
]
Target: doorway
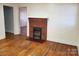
[
  {"x": 9, "y": 23},
  {"x": 23, "y": 21}
]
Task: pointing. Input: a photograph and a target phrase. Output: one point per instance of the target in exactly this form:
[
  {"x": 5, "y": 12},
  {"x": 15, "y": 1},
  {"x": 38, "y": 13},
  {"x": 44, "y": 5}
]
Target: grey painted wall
[{"x": 8, "y": 16}]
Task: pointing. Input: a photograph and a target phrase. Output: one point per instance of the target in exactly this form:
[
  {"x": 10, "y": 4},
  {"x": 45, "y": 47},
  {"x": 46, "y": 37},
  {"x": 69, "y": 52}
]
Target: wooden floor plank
[{"x": 20, "y": 46}]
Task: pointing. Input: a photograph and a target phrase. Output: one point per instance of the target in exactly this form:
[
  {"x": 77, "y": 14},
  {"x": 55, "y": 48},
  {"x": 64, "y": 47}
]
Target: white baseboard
[{"x": 2, "y": 37}]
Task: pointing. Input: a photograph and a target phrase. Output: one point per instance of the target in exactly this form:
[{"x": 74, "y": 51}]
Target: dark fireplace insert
[{"x": 37, "y": 33}]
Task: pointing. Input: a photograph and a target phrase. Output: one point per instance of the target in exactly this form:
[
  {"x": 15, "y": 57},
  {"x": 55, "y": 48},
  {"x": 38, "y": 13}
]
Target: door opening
[
  {"x": 23, "y": 21},
  {"x": 8, "y": 19}
]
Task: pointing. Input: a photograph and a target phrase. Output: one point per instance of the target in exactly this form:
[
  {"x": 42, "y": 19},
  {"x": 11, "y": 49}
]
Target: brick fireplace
[{"x": 38, "y": 29}]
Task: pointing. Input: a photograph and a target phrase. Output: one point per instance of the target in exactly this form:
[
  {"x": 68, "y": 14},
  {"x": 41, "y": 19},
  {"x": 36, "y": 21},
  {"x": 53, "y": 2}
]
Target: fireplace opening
[{"x": 37, "y": 33}]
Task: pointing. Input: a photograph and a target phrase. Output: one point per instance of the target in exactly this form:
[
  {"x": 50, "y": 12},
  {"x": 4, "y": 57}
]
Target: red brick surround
[{"x": 38, "y": 22}]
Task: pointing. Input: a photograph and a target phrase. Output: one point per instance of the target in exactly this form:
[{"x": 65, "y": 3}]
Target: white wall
[
  {"x": 61, "y": 20},
  {"x": 16, "y": 21},
  {"x": 62, "y": 23},
  {"x": 2, "y": 30},
  {"x": 78, "y": 27}
]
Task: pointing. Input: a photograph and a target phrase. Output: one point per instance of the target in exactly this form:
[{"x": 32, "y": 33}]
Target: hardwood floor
[{"x": 21, "y": 46}]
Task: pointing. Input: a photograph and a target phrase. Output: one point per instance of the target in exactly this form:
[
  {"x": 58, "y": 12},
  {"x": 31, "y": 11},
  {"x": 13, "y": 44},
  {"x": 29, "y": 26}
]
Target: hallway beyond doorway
[{"x": 23, "y": 21}]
